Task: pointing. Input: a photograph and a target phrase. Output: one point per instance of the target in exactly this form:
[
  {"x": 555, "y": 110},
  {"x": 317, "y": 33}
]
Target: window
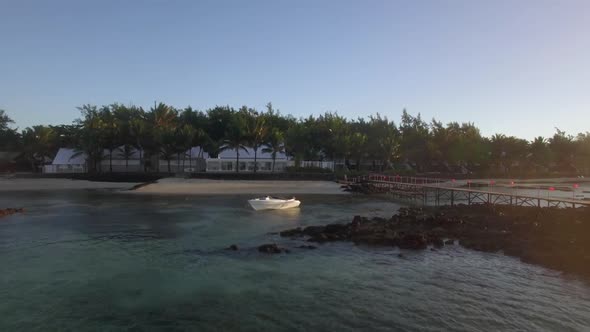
[{"x": 242, "y": 166}]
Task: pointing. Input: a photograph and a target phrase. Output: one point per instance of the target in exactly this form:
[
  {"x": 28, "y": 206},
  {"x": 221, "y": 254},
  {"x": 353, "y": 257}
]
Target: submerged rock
[
  {"x": 271, "y": 249},
  {"x": 10, "y": 211},
  {"x": 291, "y": 232},
  {"x": 232, "y": 247},
  {"x": 413, "y": 241}
]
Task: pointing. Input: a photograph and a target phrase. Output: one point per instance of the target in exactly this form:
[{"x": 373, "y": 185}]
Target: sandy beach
[{"x": 203, "y": 186}]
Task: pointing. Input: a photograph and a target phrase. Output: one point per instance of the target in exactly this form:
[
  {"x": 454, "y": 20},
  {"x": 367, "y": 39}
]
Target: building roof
[
  {"x": 197, "y": 152},
  {"x": 67, "y": 156},
  {"x": 231, "y": 154}
]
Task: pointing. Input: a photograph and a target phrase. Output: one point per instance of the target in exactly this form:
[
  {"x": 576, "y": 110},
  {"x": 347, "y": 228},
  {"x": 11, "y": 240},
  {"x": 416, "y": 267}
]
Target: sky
[{"x": 518, "y": 67}]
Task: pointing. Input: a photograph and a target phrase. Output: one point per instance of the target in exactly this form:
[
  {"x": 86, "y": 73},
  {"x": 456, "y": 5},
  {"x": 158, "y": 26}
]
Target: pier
[{"x": 433, "y": 191}]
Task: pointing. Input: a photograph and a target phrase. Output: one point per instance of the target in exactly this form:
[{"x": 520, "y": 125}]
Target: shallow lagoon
[{"x": 89, "y": 261}]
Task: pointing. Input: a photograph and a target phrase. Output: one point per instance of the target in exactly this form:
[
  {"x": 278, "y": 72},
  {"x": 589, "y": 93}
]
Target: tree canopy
[{"x": 376, "y": 142}]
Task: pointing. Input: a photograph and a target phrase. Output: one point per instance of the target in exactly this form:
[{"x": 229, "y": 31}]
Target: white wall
[
  {"x": 54, "y": 169},
  {"x": 246, "y": 165}
]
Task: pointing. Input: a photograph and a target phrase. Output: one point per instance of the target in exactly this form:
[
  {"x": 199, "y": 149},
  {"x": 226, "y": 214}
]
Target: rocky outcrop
[{"x": 556, "y": 238}]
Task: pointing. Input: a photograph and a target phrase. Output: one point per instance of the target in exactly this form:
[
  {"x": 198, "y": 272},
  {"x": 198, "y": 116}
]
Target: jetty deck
[{"x": 449, "y": 192}]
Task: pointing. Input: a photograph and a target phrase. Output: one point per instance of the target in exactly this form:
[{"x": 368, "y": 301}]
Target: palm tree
[
  {"x": 168, "y": 145},
  {"x": 185, "y": 137},
  {"x": 257, "y": 130},
  {"x": 90, "y": 142},
  {"x": 164, "y": 116},
  {"x": 110, "y": 131},
  {"x": 126, "y": 152},
  {"x": 235, "y": 138},
  {"x": 139, "y": 131},
  {"x": 4, "y": 120},
  {"x": 9, "y": 138},
  {"x": 38, "y": 144},
  {"x": 274, "y": 145}
]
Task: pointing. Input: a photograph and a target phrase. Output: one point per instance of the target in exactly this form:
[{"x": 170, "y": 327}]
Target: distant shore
[{"x": 215, "y": 187}]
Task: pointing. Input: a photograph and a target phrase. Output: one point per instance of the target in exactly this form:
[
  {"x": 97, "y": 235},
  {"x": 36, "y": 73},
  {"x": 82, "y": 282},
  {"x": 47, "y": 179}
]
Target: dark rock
[
  {"x": 449, "y": 242},
  {"x": 291, "y": 232},
  {"x": 335, "y": 228},
  {"x": 379, "y": 219},
  {"x": 356, "y": 220},
  {"x": 270, "y": 249},
  {"x": 413, "y": 241},
  {"x": 313, "y": 230},
  {"x": 9, "y": 211},
  {"x": 320, "y": 237},
  {"x": 307, "y": 247},
  {"x": 232, "y": 247},
  {"x": 437, "y": 242}
]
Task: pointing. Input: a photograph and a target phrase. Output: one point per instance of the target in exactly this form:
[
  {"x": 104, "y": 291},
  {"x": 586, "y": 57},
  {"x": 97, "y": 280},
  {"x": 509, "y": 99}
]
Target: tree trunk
[
  {"x": 255, "y": 156},
  {"x": 177, "y": 162},
  {"x": 111, "y": 161},
  {"x": 33, "y": 168},
  {"x": 169, "y": 171},
  {"x": 237, "y": 160},
  {"x": 274, "y": 158},
  {"x": 126, "y": 164}
]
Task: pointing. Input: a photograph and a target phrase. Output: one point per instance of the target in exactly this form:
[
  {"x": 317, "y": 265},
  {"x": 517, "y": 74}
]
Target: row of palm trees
[
  {"x": 376, "y": 142},
  {"x": 170, "y": 133}
]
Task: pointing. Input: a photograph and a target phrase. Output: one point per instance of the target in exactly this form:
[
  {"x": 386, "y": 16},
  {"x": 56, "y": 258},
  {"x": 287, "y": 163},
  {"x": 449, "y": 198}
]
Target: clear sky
[{"x": 520, "y": 67}]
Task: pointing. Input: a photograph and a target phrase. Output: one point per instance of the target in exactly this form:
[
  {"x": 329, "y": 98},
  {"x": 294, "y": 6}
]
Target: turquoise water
[{"x": 92, "y": 261}]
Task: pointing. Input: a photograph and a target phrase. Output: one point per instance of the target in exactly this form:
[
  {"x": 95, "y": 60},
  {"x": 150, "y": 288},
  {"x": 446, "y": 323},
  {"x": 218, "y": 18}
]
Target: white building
[
  {"x": 191, "y": 161},
  {"x": 227, "y": 161},
  {"x": 67, "y": 160},
  {"x": 194, "y": 160}
]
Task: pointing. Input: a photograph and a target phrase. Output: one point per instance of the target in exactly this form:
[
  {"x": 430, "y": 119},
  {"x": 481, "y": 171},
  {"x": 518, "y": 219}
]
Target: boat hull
[{"x": 260, "y": 204}]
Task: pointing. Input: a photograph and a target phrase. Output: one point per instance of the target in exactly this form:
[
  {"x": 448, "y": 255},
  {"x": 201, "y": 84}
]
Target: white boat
[{"x": 273, "y": 203}]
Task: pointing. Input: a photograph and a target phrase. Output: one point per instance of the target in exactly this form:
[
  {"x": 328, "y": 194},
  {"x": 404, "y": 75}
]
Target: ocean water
[{"x": 105, "y": 261}]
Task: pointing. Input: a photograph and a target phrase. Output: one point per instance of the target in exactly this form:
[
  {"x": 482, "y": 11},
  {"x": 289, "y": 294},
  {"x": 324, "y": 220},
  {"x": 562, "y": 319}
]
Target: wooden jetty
[{"x": 432, "y": 191}]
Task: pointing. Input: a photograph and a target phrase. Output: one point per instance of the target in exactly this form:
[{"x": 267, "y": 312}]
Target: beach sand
[
  {"x": 178, "y": 186},
  {"x": 204, "y": 186}
]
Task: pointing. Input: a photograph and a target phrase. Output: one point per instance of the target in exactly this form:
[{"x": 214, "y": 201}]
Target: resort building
[
  {"x": 227, "y": 161},
  {"x": 195, "y": 160},
  {"x": 68, "y": 160},
  {"x": 192, "y": 161}
]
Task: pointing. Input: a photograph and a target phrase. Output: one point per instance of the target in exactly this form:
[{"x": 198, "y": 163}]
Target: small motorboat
[{"x": 273, "y": 203}]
